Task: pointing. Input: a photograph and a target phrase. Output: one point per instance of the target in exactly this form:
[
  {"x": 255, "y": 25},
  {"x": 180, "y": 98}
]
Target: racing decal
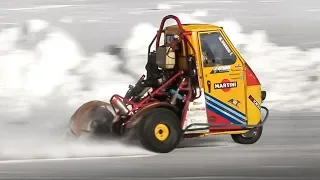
[
  {"x": 234, "y": 102},
  {"x": 238, "y": 76},
  {"x": 225, "y": 85},
  {"x": 197, "y": 103},
  {"x": 209, "y": 86},
  {"x": 220, "y": 69},
  {"x": 225, "y": 45},
  {"x": 197, "y": 109},
  {"x": 239, "y": 70},
  {"x": 197, "y": 114},
  {"x": 224, "y": 110},
  {"x": 255, "y": 102}
]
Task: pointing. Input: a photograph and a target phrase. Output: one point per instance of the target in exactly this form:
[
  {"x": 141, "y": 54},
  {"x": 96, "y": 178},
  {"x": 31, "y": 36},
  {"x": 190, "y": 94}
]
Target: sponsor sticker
[
  {"x": 234, "y": 102},
  {"x": 225, "y": 45},
  {"x": 220, "y": 69},
  {"x": 197, "y": 109},
  {"x": 255, "y": 102},
  {"x": 225, "y": 85},
  {"x": 196, "y": 103}
]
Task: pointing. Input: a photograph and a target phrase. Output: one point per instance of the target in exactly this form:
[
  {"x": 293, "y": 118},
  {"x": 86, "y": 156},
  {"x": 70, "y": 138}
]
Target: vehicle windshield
[{"x": 215, "y": 51}]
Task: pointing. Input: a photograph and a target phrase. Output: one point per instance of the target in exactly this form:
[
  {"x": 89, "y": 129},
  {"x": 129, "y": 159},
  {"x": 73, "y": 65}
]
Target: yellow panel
[
  {"x": 195, "y": 27},
  {"x": 253, "y": 111},
  {"x": 237, "y": 93},
  {"x": 235, "y": 74}
]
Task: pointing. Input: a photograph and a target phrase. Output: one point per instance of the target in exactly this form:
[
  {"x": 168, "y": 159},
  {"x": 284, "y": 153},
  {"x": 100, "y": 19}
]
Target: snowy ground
[{"x": 53, "y": 54}]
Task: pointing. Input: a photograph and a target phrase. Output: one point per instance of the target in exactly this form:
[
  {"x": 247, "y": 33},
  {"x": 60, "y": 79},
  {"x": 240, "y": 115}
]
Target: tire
[
  {"x": 249, "y": 137},
  {"x": 159, "y": 119}
]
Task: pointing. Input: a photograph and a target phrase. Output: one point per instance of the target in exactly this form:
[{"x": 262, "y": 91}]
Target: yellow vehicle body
[{"x": 239, "y": 104}]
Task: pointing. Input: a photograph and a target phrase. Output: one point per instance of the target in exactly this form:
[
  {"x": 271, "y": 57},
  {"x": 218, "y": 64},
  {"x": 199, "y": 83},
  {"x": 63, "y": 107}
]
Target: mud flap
[{"x": 91, "y": 117}]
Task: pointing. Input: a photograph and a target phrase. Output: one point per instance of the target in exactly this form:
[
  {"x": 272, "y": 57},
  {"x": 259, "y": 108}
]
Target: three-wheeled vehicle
[{"x": 196, "y": 84}]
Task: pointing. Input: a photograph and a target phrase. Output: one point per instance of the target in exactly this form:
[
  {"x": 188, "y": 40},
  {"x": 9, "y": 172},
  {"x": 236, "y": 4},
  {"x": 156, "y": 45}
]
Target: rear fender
[
  {"x": 80, "y": 120},
  {"x": 136, "y": 118}
]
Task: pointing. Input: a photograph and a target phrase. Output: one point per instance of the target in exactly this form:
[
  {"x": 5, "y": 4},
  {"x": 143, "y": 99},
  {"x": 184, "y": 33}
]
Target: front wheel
[
  {"x": 159, "y": 130},
  {"x": 250, "y": 137}
]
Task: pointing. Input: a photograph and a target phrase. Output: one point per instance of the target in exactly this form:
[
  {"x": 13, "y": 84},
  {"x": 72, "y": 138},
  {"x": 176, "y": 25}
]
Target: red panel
[
  {"x": 252, "y": 79},
  {"x": 219, "y": 120},
  {"x": 216, "y": 118}
]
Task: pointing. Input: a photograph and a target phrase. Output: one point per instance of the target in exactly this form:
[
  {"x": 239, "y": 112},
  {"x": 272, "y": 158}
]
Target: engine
[{"x": 160, "y": 67}]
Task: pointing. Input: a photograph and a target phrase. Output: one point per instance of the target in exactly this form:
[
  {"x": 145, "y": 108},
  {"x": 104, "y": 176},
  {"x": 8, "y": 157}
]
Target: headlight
[{"x": 263, "y": 95}]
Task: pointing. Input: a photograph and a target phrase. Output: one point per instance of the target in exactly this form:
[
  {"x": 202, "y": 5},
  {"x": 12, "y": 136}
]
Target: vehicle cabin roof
[{"x": 193, "y": 27}]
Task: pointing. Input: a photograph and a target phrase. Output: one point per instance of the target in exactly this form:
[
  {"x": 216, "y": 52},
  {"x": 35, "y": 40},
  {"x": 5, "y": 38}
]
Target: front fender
[{"x": 80, "y": 120}]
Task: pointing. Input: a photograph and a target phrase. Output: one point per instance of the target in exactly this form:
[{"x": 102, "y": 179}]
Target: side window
[
  {"x": 215, "y": 51},
  {"x": 169, "y": 38}
]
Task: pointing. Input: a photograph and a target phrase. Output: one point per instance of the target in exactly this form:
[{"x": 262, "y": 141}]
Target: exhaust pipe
[{"x": 118, "y": 104}]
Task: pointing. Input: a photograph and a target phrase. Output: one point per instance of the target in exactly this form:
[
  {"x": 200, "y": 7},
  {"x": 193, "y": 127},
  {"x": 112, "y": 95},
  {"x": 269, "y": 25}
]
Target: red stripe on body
[
  {"x": 214, "y": 118},
  {"x": 251, "y": 78}
]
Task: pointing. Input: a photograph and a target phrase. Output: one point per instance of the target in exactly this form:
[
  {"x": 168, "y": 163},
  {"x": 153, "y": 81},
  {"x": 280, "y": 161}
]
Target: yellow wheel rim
[{"x": 161, "y": 132}]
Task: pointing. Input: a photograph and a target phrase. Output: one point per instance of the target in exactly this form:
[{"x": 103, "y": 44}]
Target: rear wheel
[
  {"x": 250, "y": 137},
  {"x": 159, "y": 130}
]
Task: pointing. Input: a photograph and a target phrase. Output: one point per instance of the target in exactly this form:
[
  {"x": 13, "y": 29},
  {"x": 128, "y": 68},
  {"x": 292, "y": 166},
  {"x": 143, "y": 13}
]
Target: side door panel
[
  {"x": 196, "y": 113},
  {"x": 223, "y": 81}
]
